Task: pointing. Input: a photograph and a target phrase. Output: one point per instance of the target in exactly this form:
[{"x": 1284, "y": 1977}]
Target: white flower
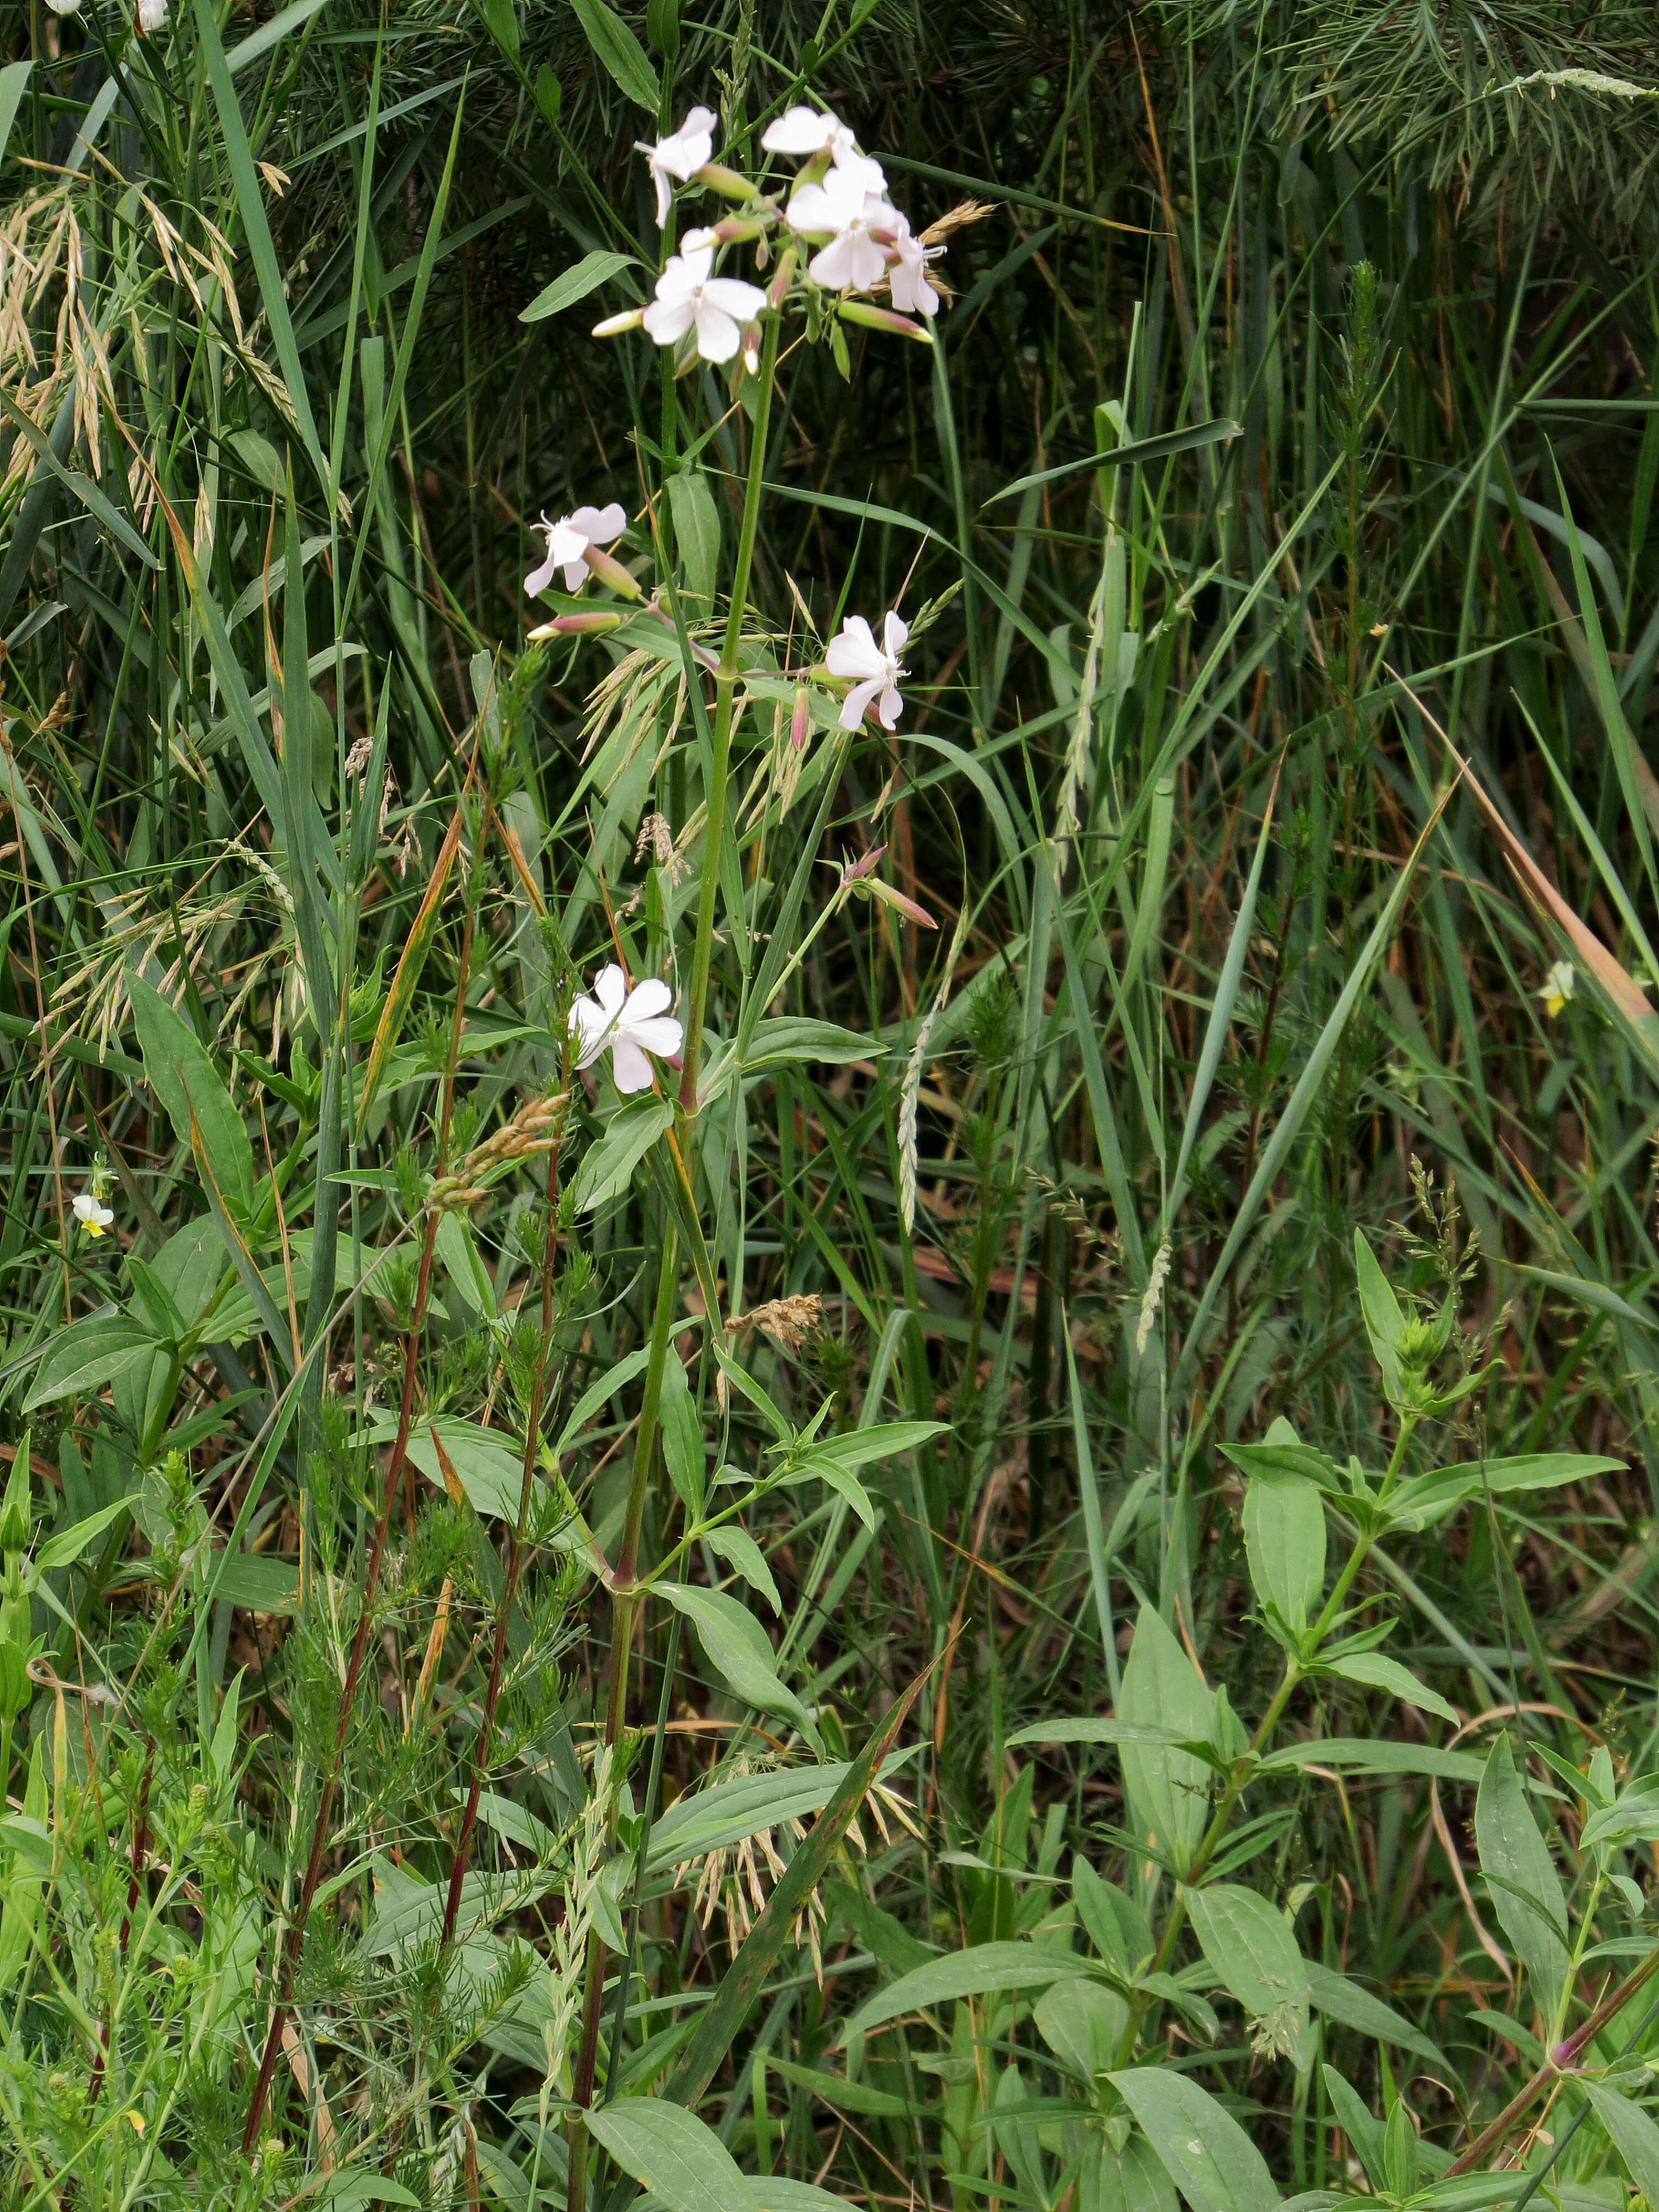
[
  {"x": 852, "y": 261},
  {"x": 568, "y": 538},
  {"x": 152, "y": 13},
  {"x": 628, "y": 1023},
  {"x": 65, "y": 6},
  {"x": 806, "y": 131},
  {"x": 856, "y": 653},
  {"x": 93, "y": 1216},
  {"x": 681, "y": 155},
  {"x": 687, "y": 293},
  {"x": 911, "y": 290},
  {"x": 1558, "y": 987}
]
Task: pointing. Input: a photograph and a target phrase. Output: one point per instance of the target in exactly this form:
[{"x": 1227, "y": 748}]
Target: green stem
[
  {"x": 1242, "y": 1771},
  {"x": 725, "y": 685},
  {"x": 625, "y": 1596}
]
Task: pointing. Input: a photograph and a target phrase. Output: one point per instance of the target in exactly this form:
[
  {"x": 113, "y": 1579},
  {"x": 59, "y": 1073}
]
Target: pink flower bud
[
  {"x": 614, "y": 326},
  {"x": 726, "y": 182},
  {"x": 800, "y": 719},
  {"x": 861, "y": 868},
  {"x": 883, "y": 318},
  {"x": 752, "y": 348},
  {"x": 608, "y": 570},
  {"x": 900, "y": 904},
  {"x": 584, "y": 624},
  {"x": 777, "y": 290}
]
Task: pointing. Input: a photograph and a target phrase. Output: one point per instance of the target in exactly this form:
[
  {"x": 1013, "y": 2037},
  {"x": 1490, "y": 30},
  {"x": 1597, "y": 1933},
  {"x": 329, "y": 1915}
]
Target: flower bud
[
  {"x": 726, "y": 182},
  {"x": 13, "y": 1527},
  {"x": 584, "y": 624},
  {"x": 610, "y": 570},
  {"x": 800, "y": 719},
  {"x": 883, "y": 318},
  {"x": 778, "y": 289},
  {"x": 900, "y": 904},
  {"x": 614, "y": 326},
  {"x": 752, "y": 348}
]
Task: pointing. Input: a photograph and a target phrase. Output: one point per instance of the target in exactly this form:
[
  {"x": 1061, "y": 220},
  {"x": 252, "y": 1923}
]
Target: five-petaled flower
[
  {"x": 843, "y": 208},
  {"x": 679, "y": 156},
  {"x": 911, "y": 290},
  {"x": 628, "y": 1024},
  {"x": 808, "y": 130},
  {"x": 688, "y": 295},
  {"x": 568, "y": 538},
  {"x": 876, "y": 667},
  {"x": 93, "y": 1215}
]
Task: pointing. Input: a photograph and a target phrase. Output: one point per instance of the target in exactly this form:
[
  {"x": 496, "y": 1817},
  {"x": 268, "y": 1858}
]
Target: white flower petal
[
  {"x": 599, "y": 524},
  {"x": 800, "y": 130},
  {"x": 717, "y": 333},
  {"x": 669, "y": 323},
  {"x": 650, "y": 996},
  {"x": 539, "y": 578},
  {"x": 734, "y": 297},
  {"x": 895, "y": 635},
  {"x": 575, "y": 575},
  {"x": 863, "y": 169},
  {"x": 589, "y": 1026},
  {"x": 664, "y": 1036},
  {"x": 631, "y": 1070},
  {"x": 611, "y": 989},
  {"x": 813, "y": 209},
  {"x": 857, "y": 700},
  {"x": 855, "y": 652},
  {"x": 890, "y": 707}
]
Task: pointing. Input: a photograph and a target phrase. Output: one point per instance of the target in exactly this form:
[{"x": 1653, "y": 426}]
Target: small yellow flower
[{"x": 1558, "y": 987}]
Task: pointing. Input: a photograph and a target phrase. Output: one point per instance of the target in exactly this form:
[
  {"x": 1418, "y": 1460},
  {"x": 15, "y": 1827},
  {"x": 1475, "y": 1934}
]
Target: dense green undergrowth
[{"x": 1000, "y": 1549}]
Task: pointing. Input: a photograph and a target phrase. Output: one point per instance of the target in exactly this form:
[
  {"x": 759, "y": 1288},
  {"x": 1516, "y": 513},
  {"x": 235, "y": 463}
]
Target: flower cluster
[{"x": 838, "y": 215}]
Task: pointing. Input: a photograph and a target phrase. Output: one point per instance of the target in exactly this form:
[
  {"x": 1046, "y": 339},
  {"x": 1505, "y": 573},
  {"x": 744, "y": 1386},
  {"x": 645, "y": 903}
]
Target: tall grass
[{"x": 550, "y": 1643}]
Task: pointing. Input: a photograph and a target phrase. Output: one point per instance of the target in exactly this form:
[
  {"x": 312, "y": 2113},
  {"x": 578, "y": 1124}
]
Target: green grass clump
[{"x": 1011, "y": 1560}]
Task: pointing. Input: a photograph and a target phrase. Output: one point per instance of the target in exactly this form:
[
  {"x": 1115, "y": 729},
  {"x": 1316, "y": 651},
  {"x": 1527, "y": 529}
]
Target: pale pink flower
[
  {"x": 628, "y": 1024},
  {"x": 808, "y": 130},
  {"x": 688, "y": 295},
  {"x": 840, "y": 208},
  {"x": 876, "y": 667},
  {"x": 679, "y": 156},
  {"x": 911, "y": 290},
  {"x": 568, "y": 538}
]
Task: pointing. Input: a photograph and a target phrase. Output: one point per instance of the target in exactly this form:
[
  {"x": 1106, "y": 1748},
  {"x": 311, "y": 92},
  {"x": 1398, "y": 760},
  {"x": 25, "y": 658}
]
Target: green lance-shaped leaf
[
  {"x": 1525, "y": 1890},
  {"x": 1378, "y": 1671},
  {"x": 682, "y": 1434},
  {"x": 670, "y": 2152},
  {"x": 1284, "y": 1545},
  {"x": 738, "y": 1650},
  {"x": 983, "y": 1970},
  {"x": 1207, "y": 2155},
  {"x": 1634, "y": 2135},
  {"x": 88, "y": 1353},
  {"x": 1168, "y": 1791},
  {"x": 1253, "y": 1953},
  {"x": 187, "y": 1083},
  {"x": 575, "y": 283},
  {"x": 1384, "y": 1322},
  {"x": 620, "y": 52},
  {"x": 629, "y": 1135}
]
